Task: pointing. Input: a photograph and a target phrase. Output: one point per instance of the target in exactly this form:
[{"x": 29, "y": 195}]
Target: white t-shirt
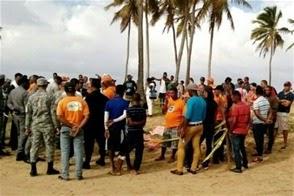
[
  {"x": 162, "y": 88},
  {"x": 263, "y": 106}
]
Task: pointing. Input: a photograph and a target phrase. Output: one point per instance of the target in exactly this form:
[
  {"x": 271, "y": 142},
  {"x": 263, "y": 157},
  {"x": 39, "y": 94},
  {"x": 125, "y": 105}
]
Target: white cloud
[{"x": 72, "y": 38}]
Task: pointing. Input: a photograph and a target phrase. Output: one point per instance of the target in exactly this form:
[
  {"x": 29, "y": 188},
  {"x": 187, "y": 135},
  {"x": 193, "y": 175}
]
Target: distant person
[
  {"x": 172, "y": 83},
  {"x": 55, "y": 85},
  {"x": 202, "y": 80},
  {"x": 17, "y": 101},
  {"x": 261, "y": 119},
  {"x": 228, "y": 85},
  {"x": 94, "y": 128},
  {"x": 130, "y": 87},
  {"x": 239, "y": 122},
  {"x": 151, "y": 95},
  {"x": 108, "y": 86},
  {"x": 42, "y": 123},
  {"x": 251, "y": 95},
  {"x": 286, "y": 98},
  {"x": 73, "y": 114},
  {"x": 173, "y": 109},
  {"x": 181, "y": 88},
  {"x": 241, "y": 89},
  {"x": 33, "y": 84},
  {"x": 163, "y": 88},
  {"x": 191, "y": 81},
  {"x": 15, "y": 82},
  {"x": 274, "y": 106},
  {"x": 192, "y": 129},
  {"x": 246, "y": 84}
]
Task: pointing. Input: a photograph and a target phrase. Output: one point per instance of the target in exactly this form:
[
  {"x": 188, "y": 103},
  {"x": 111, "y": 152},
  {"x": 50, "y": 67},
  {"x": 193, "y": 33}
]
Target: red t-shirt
[{"x": 242, "y": 113}]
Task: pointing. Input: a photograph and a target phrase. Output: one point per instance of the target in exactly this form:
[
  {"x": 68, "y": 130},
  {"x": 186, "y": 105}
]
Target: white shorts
[{"x": 283, "y": 121}]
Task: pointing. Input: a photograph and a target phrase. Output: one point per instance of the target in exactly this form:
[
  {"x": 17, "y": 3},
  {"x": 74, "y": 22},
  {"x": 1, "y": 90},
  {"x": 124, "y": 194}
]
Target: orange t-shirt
[
  {"x": 73, "y": 109},
  {"x": 174, "y": 115},
  {"x": 221, "y": 104},
  {"x": 109, "y": 92}
]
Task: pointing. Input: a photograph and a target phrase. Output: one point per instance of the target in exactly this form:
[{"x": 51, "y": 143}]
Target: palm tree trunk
[
  {"x": 190, "y": 44},
  {"x": 147, "y": 40},
  {"x": 128, "y": 50},
  {"x": 210, "y": 51},
  {"x": 175, "y": 43},
  {"x": 270, "y": 66},
  {"x": 140, "y": 49},
  {"x": 178, "y": 65}
]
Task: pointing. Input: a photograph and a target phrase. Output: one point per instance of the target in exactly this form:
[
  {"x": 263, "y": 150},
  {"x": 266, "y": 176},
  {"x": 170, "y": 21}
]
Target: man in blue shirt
[
  {"x": 192, "y": 129},
  {"x": 115, "y": 123}
]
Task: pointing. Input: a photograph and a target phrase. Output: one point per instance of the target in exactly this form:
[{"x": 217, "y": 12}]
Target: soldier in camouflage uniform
[
  {"x": 41, "y": 122},
  {"x": 2, "y": 108}
]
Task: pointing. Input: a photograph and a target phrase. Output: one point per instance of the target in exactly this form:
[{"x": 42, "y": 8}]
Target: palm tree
[
  {"x": 267, "y": 34},
  {"x": 127, "y": 13},
  {"x": 291, "y": 21},
  {"x": 167, "y": 7},
  {"x": 140, "y": 82},
  {"x": 215, "y": 9},
  {"x": 151, "y": 6}
]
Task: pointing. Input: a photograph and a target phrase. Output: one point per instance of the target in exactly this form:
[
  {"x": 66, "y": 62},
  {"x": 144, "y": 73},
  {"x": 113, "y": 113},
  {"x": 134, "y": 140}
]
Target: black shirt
[
  {"x": 210, "y": 111},
  {"x": 136, "y": 113},
  {"x": 96, "y": 102},
  {"x": 290, "y": 97},
  {"x": 130, "y": 87}
]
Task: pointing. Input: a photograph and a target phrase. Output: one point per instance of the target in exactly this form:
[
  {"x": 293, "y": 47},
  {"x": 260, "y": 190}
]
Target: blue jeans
[
  {"x": 238, "y": 142},
  {"x": 78, "y": 143}
]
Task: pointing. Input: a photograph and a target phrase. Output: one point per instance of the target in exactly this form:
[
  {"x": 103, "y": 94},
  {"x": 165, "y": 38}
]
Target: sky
[{"x": 75, "y": 37}]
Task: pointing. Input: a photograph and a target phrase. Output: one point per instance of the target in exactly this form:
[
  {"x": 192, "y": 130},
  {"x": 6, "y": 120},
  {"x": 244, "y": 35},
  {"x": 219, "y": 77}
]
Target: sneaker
[
  {"x": 236, "y": 170},
  {"x": 62, "y": 178},
  {"x": 86, "y": 165}
]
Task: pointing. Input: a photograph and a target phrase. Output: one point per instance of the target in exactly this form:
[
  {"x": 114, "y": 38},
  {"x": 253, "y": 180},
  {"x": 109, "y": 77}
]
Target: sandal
[
  {"x": 192, "y": 172},
  {"x": 176, "y": 172},
  {"x": 257, "y": 160}
]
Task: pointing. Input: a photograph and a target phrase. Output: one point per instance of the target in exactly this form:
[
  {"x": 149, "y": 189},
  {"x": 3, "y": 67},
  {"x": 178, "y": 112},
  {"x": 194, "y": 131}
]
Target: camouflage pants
[{"x": 42, "y": 135}]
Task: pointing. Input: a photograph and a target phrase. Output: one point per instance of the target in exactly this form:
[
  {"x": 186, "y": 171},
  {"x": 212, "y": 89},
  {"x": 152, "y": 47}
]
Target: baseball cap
[
  {"x": 42, "y": 82},
  {"x": 192, "y": 86}
]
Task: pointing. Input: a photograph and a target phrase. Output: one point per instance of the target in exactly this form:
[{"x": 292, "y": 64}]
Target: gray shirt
[{"x": 17, "y": 100}]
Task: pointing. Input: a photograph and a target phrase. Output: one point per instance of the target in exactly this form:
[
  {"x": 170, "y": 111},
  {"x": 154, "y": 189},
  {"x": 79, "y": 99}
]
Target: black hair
[
  {"x": 96, "y": 83},
  {"x": 228, "y": 79},
  {"x": 136, "y": 97},
  {"x": 17, "y": 75},
  {"x": 74, "y": 81},
  {"x": 210, "y": 95},
  {"x": 120, "y": 90},
  {"x": 253, "y": 84},
  {"x": 173, "y": 88},
  {"x": 202, "y": 79},
  {"x": 219, "y": 87},
  {"x": 23, "y": 80},
  {"x": 236, "y": 93},
  {"x": 69, "y": 87},
  {"x": 259, "y": 90}
]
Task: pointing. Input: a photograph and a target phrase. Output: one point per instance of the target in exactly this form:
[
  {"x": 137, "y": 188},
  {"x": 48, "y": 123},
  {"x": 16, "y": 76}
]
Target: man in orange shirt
[
  {"x": 108, "y": 86},
  {"x": 174, "y": 109},
  {"x": 73, "y": 113}
]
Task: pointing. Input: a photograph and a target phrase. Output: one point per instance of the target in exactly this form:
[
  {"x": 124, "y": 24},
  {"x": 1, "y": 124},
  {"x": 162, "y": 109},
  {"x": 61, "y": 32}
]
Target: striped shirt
[
  {"x": 263, "y": 106},
  {"x": 137, "y": 114}
]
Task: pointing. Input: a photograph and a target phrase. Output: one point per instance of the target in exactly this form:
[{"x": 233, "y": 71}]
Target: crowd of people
[{"x": 71, "y": 114}]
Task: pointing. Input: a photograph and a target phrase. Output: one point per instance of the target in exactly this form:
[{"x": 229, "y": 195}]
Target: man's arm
[
  {"x": 10, "y": 103},
  {"x": 28, "y": 116},
  {"x": 63, "y": 121},
  {"x": 258, "y": 115}
]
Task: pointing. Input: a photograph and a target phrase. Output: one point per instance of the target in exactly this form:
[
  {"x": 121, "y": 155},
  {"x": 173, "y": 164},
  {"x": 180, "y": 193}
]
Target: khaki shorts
[
  {"x": 170, "y": 133},
  {"x": 283, "y": 121}
]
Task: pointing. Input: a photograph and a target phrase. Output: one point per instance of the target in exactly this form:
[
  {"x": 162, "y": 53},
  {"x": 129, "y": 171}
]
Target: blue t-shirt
[
  {"x": 195, "y": 109},
  {"x": 116, "y": 107}
]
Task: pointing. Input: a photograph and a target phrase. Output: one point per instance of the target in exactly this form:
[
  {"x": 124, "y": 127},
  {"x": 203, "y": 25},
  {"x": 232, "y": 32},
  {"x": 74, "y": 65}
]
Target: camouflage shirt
[{"x": 40, "y": 111}]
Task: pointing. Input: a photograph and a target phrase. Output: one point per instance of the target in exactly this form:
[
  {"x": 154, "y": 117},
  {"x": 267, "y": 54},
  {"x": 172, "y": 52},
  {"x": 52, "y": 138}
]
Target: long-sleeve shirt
[{"x": 17, "y": 100}]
